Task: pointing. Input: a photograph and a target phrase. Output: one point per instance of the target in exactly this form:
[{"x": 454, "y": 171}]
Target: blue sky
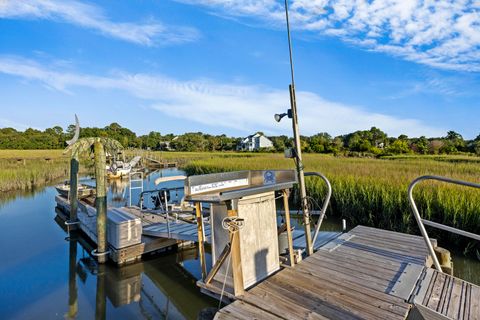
[{"x": 221, "y": 66}]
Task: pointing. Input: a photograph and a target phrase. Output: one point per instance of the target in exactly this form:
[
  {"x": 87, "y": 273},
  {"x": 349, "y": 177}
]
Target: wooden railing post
[{"x": 201, "y": 239}]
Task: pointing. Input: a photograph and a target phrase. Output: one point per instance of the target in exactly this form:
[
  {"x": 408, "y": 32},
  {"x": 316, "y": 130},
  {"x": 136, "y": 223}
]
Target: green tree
[{"x": 400, "y": 146}]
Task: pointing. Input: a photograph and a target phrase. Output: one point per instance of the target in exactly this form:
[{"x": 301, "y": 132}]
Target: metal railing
[
  {"x": 325, "y": 202},
  {"x": 134, "y": 177},
  {"x": 422, "y": 222}
]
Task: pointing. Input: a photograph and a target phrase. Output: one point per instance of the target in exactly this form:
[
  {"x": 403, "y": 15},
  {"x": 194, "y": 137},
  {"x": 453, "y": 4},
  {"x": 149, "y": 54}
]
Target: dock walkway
[
  {"x": 366, "y": 273},
  {"x": 180, "y": 231}
]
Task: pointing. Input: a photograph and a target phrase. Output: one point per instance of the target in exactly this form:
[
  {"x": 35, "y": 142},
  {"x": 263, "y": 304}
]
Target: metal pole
[
  {"x": 166, "y": 211},
  {"x": 298, "y": 147}
]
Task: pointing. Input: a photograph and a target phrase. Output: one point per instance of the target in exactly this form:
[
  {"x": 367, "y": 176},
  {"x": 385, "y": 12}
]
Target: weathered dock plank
[
  {"x": 366, "y": 274},
  {"x": 351, "y": 279},
  {"x": 180, "y": 231},
  {"x": 448, "y": 297}
]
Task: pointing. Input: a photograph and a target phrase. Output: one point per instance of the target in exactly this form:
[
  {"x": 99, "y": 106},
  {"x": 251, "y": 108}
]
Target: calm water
[{"x": 42, "y": 275}]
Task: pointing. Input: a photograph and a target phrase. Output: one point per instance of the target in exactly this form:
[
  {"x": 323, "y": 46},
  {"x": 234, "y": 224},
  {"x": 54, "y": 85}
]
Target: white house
[{"x": 255, "y": 142}]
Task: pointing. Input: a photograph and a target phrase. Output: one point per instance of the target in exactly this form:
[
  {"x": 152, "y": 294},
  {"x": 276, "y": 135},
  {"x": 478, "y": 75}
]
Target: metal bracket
[
  {"x": 95, "y": 253},
  {"x": 233, "y": 224},
  {"x": 71, "y": 223}
]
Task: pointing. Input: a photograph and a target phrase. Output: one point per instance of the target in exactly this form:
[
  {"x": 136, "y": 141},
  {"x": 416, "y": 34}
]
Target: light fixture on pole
[{"x": 279, "y": 116}]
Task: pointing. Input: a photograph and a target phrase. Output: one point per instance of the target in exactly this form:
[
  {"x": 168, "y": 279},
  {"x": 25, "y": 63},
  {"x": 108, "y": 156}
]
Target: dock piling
[
  {"x": 101, "y": 201},
  {"x": 73, "y": 193}
]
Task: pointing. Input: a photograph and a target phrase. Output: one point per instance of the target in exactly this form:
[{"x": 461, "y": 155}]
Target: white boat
[
  {"x": 118, "y": 169},
  {"x": 83, "y": 190}
]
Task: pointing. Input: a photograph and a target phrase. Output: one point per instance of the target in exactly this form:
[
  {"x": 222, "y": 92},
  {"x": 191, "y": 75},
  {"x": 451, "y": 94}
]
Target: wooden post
[
  {"x": 237, "y": 271},
  {"x": 101, "y": 201},
  {"x": 73, "y": 194},
  {"x": 289, "y": 228},
  {"x": 72, "y": 280},
  {"x": 221, "y": 259},
  {"x": 201, "y": 239}
]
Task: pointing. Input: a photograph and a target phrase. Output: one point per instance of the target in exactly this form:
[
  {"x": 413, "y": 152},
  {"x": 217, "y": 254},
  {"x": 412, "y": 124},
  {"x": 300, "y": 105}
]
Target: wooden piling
[
  {"x": 101, "y": 201},
  {"x": 73, "y": 193},
  {"x": 445, "y": 260},
  {"x": 237, "y": 271},
  {"x": 289, "y": 228},
  {"x": 201, "y": 240}
]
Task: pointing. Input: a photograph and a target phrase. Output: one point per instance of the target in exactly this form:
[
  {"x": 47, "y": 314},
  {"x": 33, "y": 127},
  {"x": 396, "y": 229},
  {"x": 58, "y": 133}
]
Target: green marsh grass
[
  {"x": 373, "y": 192},
  {"x": 27, "y": 169}
]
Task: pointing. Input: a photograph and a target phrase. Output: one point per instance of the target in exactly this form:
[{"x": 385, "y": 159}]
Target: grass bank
[
  {"x": 27, "y": 169},
  {"x": 374, "y": 191}
]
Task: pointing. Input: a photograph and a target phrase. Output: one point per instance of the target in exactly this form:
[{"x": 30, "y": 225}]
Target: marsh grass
[
  {"x": 373, "y": 192},
  {"x": 26, "y": 169}
]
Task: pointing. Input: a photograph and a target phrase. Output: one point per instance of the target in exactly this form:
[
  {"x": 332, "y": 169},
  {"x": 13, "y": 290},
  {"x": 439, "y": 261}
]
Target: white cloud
[
  {"x": 442, "y": 34},
  {"x": 92, "y": 17},
  {"x": 242, "y": 107},
  {"x": 7, "y": 123}
]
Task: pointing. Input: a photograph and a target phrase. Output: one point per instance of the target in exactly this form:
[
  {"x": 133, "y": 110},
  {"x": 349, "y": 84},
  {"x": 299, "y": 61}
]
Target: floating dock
[
  {"x": 124, "y": 255},
  {"x": 366, "y": 273}
]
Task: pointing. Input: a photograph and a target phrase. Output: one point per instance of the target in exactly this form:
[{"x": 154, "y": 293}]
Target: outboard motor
[{"x": 159, "y": 198}]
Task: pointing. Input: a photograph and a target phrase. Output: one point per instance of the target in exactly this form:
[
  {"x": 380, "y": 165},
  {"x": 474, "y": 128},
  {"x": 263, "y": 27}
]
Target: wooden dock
[
  {"x": 366, "y": 273},
  {"x": 159, "y": 163},
  {"x": 121, "y": 256},
  {"x": 177, "y": 230}
]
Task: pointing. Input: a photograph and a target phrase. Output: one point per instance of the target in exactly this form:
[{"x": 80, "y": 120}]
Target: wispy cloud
[
  {"x": 242, "y": 107},
  {"x": 92, "y": 17},
  {"x": 7, "y": 123},
  {"x": 442, "y": 34}
]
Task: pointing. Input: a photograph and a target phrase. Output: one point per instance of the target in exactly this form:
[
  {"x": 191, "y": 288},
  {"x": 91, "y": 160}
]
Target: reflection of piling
[
  {"x": 101, "y": 299},
  {"x": 72, "y": 281},
  {"x": 73, "y": 193},
  {"x": 101, "y": 201}
]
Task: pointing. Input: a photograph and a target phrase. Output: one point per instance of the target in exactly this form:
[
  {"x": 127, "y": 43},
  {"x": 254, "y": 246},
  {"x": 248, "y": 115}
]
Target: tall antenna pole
[{"x": 298, "y": 147}]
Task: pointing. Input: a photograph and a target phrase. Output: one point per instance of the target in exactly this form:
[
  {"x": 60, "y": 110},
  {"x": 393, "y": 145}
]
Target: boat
[
  {"x": 84, "y": 190},
  {"x": 118, "y": 169}
]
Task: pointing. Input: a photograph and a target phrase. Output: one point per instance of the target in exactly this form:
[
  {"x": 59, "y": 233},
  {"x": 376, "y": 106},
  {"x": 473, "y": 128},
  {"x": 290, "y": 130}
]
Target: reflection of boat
[{"x": 84, "y": 190}]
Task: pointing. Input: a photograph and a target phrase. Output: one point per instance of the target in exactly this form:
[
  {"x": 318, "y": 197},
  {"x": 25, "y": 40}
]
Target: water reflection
[
  {"x": 158, "y": 288},
  {"x": 72, "y": 278}
]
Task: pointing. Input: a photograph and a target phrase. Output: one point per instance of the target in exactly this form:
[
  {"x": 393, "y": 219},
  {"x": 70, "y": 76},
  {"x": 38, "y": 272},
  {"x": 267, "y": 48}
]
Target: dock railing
[
  {"x": 325, "y": 202},
  {"x": 422, "y": 222}
]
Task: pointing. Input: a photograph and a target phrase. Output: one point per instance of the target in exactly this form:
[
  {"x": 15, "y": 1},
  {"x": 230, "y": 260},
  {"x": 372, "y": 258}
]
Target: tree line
[{"x": 373, "y": 142}]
